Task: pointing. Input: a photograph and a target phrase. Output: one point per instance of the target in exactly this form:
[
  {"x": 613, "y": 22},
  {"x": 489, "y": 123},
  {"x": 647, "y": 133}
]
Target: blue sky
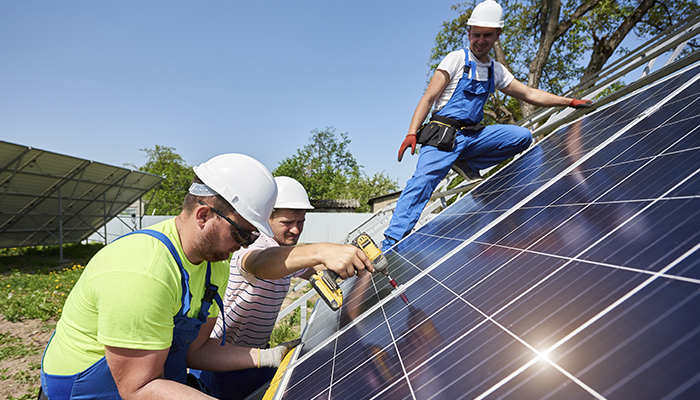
[{"x": 101, "y": 80}]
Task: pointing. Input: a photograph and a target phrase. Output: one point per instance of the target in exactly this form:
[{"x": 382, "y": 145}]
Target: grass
[
  {"x": 40, "y": 258},
  {"x": 13, "y": 347},
  {"x": 36, "y": 295},
  {"x": 34, "y": 283},
  {"x": 285, "y": 331},
  {"x": 289, "y": 328}
]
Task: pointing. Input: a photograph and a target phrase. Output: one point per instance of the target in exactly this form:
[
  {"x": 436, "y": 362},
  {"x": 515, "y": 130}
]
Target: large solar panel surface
[
  {"x": 51, "y": 198},
  {"x": 571, "y": 274}
]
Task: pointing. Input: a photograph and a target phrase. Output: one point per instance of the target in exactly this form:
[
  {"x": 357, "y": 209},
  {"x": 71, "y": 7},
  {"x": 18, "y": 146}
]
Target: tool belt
[{"x": 441, "y": 132}]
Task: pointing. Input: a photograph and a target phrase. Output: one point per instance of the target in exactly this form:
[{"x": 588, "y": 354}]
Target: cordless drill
[
  {"x": 325, "y": 282},
  {"x": 327, "y": 288},
  {"x": 367, "y": 245}
]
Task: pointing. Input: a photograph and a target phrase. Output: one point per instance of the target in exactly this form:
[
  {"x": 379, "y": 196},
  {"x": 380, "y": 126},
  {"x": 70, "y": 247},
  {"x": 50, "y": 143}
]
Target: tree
[
  {"x": 368, "y": 187},
  {"x": 544, "y": 42},
  {"x": 328, "y": 171},
  {"x": 323, "y": 166},
  {"x": 167, "y": 198},
  {"x": 646, "y": 19}
]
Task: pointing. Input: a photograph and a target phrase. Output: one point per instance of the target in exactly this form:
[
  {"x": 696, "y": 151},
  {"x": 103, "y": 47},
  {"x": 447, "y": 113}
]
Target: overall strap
[
  {"x": 468, "y": 64},
  {"x": 184, "y": 275},
  {"x": 470, "y": 67},
  {"x": 211, "y": 292}
]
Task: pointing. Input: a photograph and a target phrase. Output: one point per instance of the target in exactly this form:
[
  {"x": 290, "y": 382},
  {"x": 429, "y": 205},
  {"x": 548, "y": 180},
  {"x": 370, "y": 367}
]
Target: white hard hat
[
  {"x": 487, "y": 14},
  {"x": 245, "y": 183},
  {"x": 291, "y": 194}
]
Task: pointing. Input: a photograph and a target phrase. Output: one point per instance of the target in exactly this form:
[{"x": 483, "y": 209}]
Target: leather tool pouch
[{"x": 438, "y": 135}]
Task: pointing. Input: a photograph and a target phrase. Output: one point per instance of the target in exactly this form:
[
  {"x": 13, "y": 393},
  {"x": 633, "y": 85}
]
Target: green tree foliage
[
  {"x": 167, "y": 198},
  {"x": 327, "y": 169},
  {"x": 323, "y": 166},
  {"x": 553, "y": 45}
]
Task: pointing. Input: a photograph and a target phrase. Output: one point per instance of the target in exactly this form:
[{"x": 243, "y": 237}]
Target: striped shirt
[{"x": 251, "y": 304}]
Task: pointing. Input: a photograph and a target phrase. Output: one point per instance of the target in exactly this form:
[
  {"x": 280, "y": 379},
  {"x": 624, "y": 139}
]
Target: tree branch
[
  {"x": 578, "y": 13},
  {"x": 606, "y": 47}
]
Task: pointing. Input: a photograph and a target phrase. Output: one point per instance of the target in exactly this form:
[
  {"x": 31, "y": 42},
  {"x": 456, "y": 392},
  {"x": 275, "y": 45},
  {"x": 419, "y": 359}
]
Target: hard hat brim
[
  {"x": 295, "y": 206},
  {"x": 263, "y": 228},
  {"x": 484, "y": 24}
]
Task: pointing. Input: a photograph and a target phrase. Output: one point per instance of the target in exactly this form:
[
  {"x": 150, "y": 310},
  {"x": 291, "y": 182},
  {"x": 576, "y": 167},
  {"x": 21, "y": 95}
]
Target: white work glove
[{"x": 273, "y": 357}]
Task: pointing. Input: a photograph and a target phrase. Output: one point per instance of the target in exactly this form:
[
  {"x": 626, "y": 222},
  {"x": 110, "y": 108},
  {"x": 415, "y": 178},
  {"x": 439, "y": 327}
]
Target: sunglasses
[{"x": 241, "y": 235}]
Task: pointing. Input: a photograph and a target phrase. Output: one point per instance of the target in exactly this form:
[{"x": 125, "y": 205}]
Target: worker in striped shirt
[{"x": 251, "y": 304}]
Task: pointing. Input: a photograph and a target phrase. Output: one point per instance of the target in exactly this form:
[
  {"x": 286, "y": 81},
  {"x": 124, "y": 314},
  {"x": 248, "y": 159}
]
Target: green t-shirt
[{"x": 127, "y": 297}]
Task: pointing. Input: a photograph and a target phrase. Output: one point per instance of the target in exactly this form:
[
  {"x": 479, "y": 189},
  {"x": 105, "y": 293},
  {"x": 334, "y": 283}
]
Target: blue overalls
[
  {"x": 96, "y": 382},
  {"x": 479, "y": 150}
]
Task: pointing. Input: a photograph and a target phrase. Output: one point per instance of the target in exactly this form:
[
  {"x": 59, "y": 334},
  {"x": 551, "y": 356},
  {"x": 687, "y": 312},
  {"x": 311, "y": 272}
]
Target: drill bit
[
  {"x": 365, "y": 243},
  {"x": 394, "y": 285}
]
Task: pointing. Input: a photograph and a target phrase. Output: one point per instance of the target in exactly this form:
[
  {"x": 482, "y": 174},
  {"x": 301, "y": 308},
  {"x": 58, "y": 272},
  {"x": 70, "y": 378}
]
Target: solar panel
[
  {"x": 572, "y": 273},
  {"x": 50, "y": 198}
]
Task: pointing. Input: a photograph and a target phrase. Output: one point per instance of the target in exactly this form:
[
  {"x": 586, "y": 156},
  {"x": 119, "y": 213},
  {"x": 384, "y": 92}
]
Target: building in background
[{"x": 335, "y": 206}]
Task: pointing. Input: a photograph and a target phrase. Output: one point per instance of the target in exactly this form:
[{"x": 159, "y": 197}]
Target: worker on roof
[
  {"x": 252, "y": 304},
  {"x": 454, "y": 138},
  {"x": 143, "y": 310}
]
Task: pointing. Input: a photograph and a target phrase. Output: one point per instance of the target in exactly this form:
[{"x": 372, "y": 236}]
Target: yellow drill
[
  {"x": 367, "y": 245},
  {"x": 327, "y": 288},
  {"x": 325, "y": 282}
]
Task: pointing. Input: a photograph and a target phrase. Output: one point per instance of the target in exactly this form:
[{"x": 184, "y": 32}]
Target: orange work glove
[
  {"x": 409, "y": 141},
  {"x": 576, "y": 103}
]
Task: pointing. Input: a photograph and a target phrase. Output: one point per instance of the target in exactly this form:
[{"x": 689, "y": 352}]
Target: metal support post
[
  {"x": 60, "y": 225},
  {"x": 104, "y": 214}
]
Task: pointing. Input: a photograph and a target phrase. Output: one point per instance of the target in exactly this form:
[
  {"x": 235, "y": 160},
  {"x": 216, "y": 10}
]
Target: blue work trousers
[
  {"x": 490, "y": 146},
  {"x": 235, "y": 385}
]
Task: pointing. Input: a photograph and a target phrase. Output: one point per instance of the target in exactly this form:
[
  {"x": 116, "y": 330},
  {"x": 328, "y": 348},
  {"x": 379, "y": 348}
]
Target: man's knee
[
  {"x": 423, "y": 179},
  {"x": 522, "y": 137},
  {"x": 527, "y": 136}
]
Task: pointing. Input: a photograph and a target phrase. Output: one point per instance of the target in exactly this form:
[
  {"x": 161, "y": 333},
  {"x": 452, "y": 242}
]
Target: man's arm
[
  {"x": 437, "y": 84},
  {"x": 139, "y": 375},
  {"x": 538, "y": 97},
  {"x": 278, "y": 262},
  {"x": 208, "y": 354}
]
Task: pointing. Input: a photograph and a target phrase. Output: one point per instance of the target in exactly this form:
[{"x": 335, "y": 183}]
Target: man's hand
[
  {"x": 272, "y": 358},
  {"x": 576, "y": 103},
  {"x": 345, "y": 260},
  {"x": 277, "y": 262},
  {"x": 409, "y": 141}
]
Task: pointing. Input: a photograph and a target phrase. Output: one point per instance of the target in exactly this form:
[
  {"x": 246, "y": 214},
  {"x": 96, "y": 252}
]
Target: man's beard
[
  {"x": 290, "y": 241},
  {"x": 205, "y": 248}
]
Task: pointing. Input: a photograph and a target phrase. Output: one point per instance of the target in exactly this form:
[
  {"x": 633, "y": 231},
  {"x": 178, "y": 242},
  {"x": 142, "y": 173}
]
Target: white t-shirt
[
  {"x": 453, "y": 64},
  {"x": 252, "y": 304}
]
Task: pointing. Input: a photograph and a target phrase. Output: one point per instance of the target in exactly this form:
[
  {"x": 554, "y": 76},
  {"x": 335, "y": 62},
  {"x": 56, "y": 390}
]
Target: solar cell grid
[{"x": 573, "y": 273}]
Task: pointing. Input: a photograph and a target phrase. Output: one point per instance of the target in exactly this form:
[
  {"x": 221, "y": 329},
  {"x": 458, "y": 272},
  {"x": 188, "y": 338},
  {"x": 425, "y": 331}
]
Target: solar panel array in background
[{"x": 571, "y": 274}]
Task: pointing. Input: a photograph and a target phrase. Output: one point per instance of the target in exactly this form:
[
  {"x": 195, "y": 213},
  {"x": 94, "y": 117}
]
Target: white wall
[
  {"x": 124, "y": 224},
  {"x": 319, "y": 227},
  {"x": 330, "y": 227}
]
